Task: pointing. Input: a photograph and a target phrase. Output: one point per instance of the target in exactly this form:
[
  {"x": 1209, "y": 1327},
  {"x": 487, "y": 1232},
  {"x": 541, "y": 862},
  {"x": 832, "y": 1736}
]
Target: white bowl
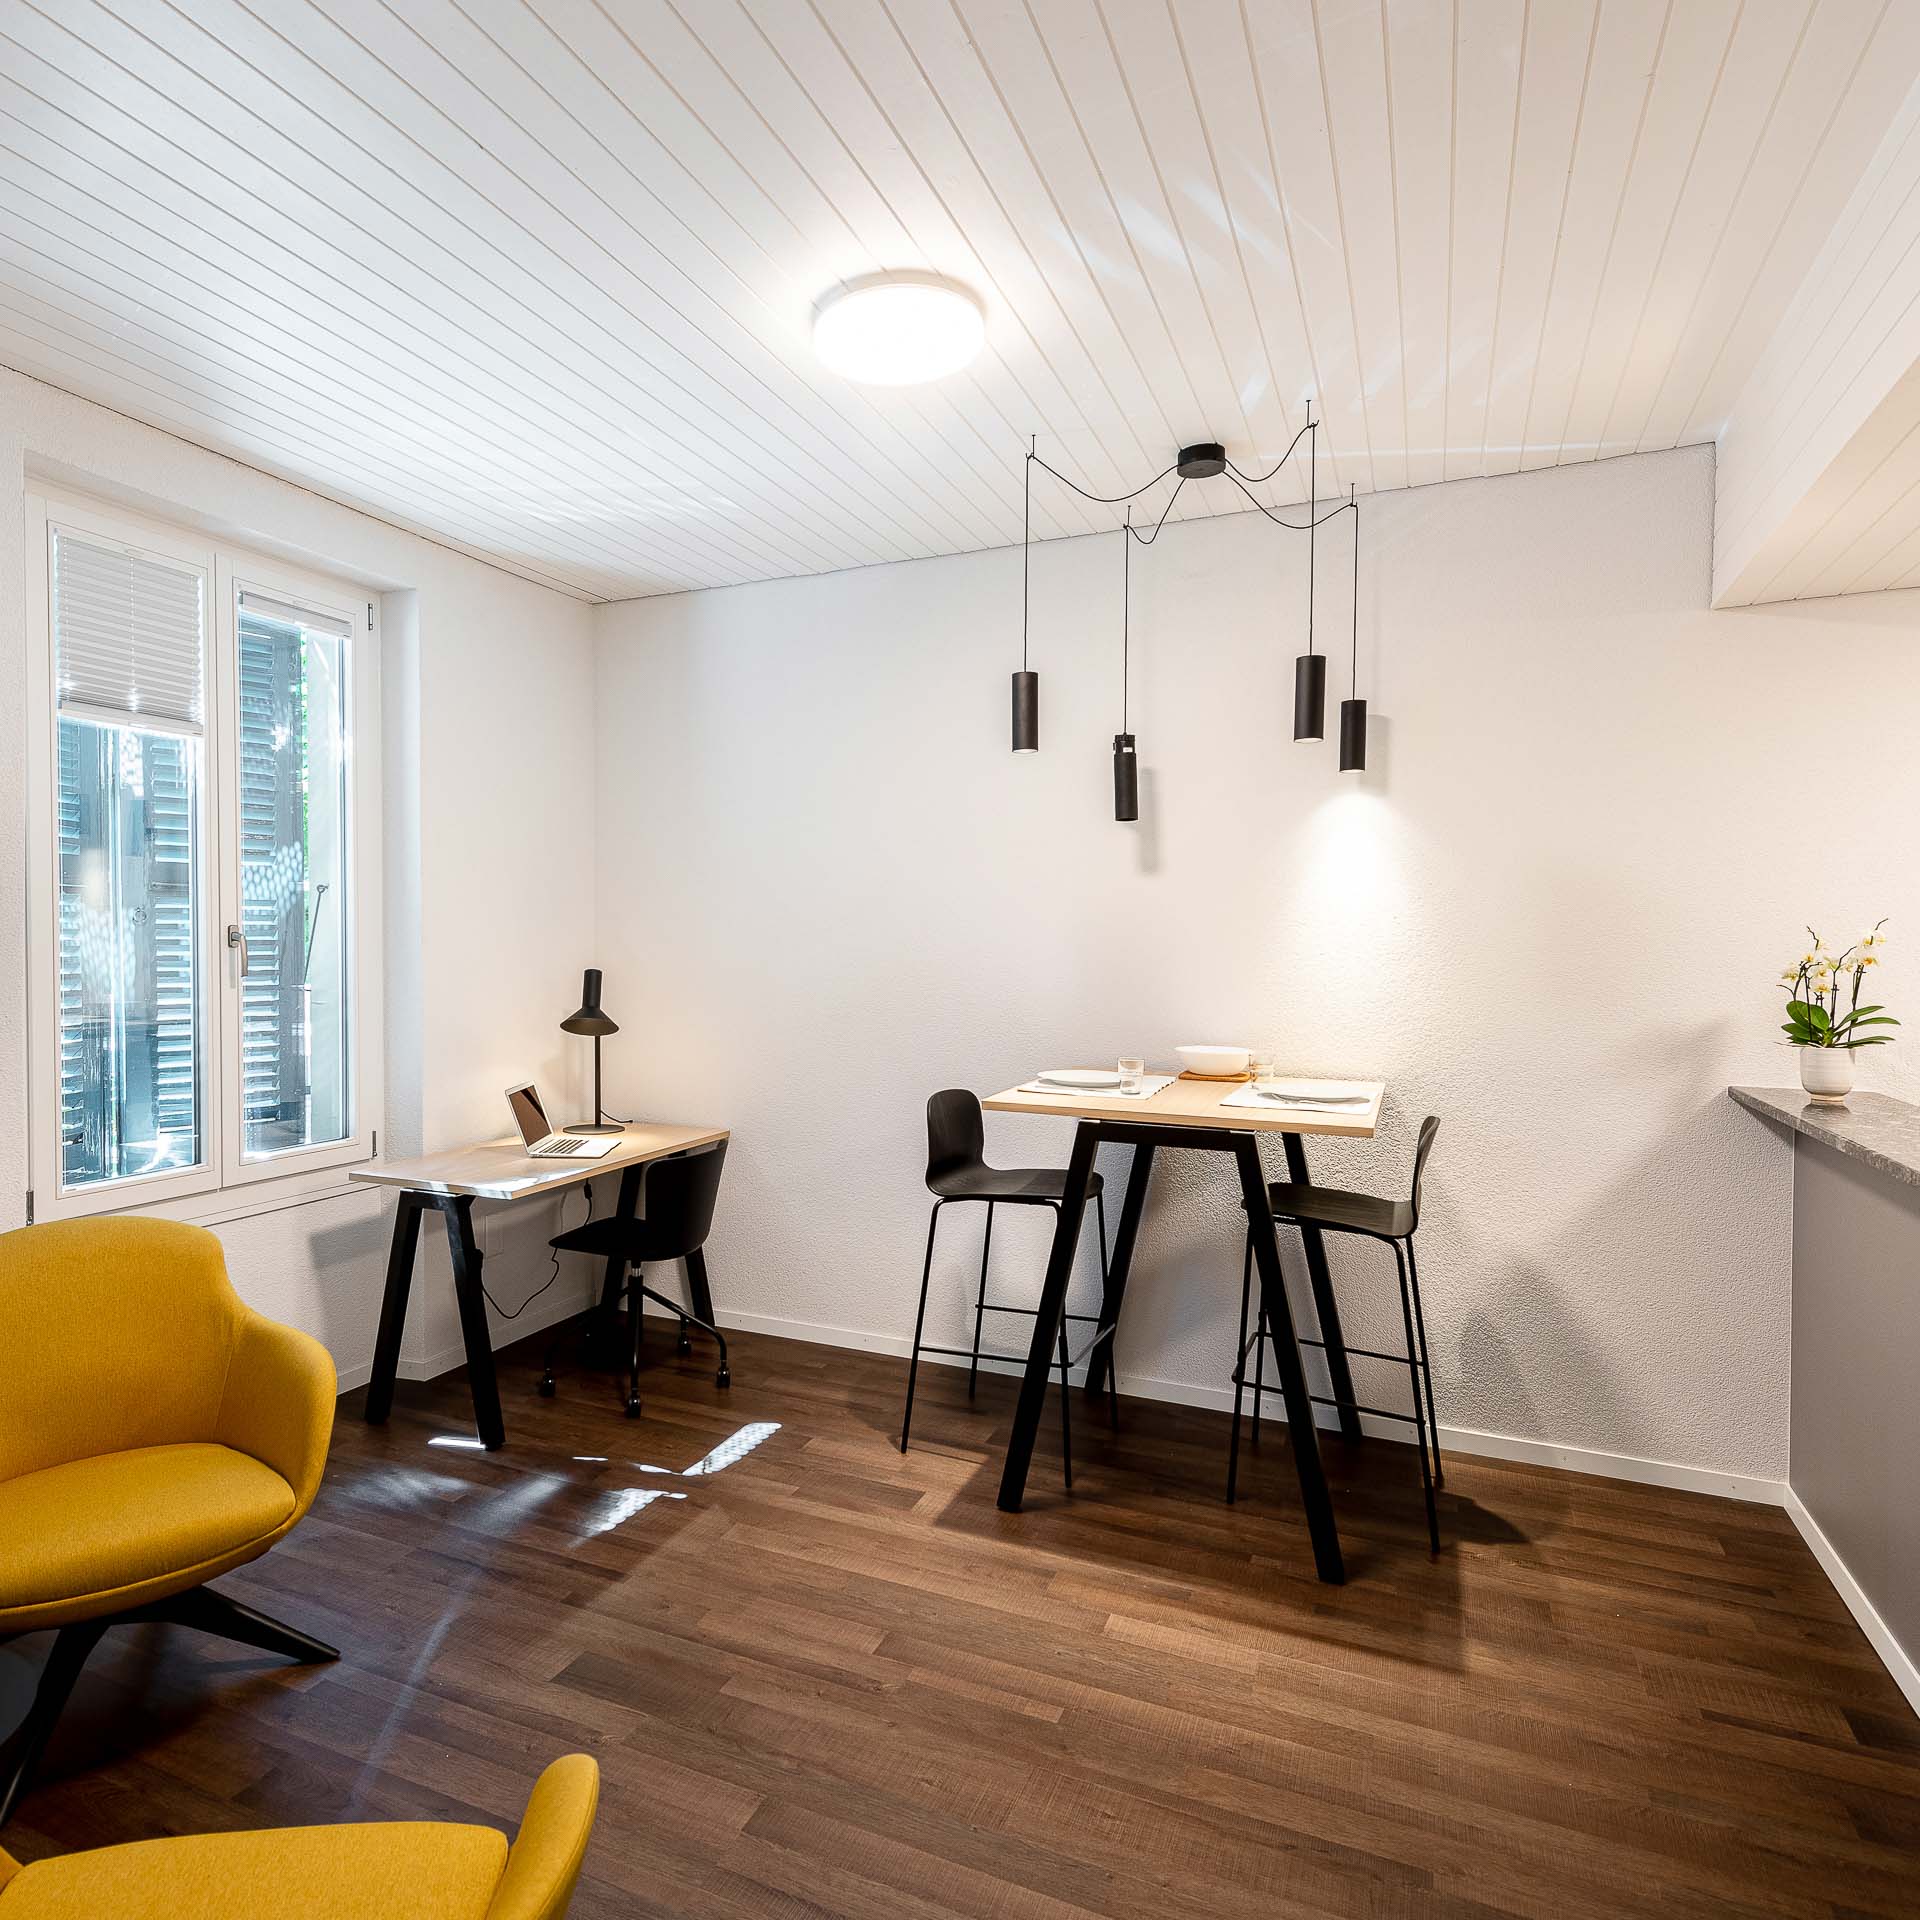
[{"x": 1217, "y": 1060}]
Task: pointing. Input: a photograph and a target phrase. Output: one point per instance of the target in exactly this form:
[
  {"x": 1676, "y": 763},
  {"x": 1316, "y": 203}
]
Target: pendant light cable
[
  {"x": 1353, "y": 507},
  {"x": 1126, "y": 607},
  {"x": 1313, "y": 508},
  {"x": 1026, "y": 549}
]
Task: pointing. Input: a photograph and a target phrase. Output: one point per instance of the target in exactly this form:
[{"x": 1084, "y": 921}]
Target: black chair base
[
  {"x": 636, "y": 1292},
  {"x": 199, "y": 1607}
]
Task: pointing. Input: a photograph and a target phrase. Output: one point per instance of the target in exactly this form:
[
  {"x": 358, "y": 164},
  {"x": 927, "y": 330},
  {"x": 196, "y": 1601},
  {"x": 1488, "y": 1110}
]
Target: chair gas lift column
[
  {"x": 1395, "y": 1222},
  {"x": 957, "y": 1171}
]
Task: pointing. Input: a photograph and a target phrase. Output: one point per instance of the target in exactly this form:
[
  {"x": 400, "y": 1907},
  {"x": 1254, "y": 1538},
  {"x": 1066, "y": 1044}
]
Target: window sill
[{"x": 220, "y": 1206}]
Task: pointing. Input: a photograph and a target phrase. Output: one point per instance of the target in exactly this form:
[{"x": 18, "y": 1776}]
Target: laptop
[{"x": 542, "y": 1142}]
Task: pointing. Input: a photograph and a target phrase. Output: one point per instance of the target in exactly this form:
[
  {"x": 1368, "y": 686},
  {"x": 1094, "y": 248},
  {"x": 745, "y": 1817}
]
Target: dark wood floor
[{"x": 824, "y": 1679}]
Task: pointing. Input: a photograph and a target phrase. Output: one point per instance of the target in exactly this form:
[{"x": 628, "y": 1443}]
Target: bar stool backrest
[
  {"x": 956, "y": 1135},
  {"x": 680, "y": 1194},
  {"x": 1428, "y": 1128}
]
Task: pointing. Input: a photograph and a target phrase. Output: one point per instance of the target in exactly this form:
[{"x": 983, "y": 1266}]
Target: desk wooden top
[
  {"x": 503, "y": 1169},
  {"x": 1196, "y": 1103}
]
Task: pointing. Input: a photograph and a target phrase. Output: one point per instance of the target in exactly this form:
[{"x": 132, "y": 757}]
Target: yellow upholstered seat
[
  {"x": 154, "y": 1432},
  {"x": 411, "y": 1870},
  {"x": 117, "y": 1524}
]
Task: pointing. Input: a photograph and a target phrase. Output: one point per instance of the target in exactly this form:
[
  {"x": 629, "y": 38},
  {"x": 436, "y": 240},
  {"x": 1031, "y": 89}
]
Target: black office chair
[
  {"x": 678, "y": 1213},
  {"x": 1394, "y": 1221},
  {"x": 957, "y": 1170}
]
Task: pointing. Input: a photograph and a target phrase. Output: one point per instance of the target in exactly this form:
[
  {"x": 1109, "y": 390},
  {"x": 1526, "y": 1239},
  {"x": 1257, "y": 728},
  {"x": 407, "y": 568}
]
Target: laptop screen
[{"x": 529, "y": 1115}]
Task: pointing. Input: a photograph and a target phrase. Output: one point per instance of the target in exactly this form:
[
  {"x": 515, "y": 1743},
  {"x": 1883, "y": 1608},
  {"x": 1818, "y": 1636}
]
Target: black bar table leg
[
  {"x": 458, "y": 1209},
  {"x": 1301, "y": 1431},
  {"x": 1324, "y": 1303},
  {"x": 393, "y": 1307},
  {"x": 1139, "y": 1172},
  {"x": 1046, "y": 1320}
]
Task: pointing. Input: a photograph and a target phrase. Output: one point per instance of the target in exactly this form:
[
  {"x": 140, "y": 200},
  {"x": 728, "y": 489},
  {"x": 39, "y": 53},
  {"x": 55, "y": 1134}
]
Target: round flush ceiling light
[{"x": 898, "y": 329}]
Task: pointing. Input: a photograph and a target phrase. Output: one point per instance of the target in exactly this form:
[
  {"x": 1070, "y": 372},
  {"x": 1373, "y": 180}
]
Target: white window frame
[{"x": 223, "y": 1182}]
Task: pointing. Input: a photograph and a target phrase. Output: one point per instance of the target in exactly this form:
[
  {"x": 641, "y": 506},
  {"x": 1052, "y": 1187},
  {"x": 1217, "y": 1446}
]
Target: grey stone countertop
[{"x": 1874, "y": 1127}]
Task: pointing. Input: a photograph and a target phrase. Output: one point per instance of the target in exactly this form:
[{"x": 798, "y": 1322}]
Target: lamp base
[{"x": 598, "y": 1126}]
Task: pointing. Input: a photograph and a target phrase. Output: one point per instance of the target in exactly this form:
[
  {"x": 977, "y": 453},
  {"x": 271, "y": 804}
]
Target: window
[{"x": 204, "y": 877}]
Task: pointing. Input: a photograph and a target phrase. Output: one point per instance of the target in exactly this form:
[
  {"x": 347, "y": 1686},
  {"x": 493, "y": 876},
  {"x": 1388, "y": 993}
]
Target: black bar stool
[
  {"x": 679, "y": 1197},
  {"x": 1333, "y": 1210},
  {"x": 957, "y": 1170}
]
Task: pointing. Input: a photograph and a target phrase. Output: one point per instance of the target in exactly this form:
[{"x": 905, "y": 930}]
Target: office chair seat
[
  {"x": 1016, "y": 1185},
  {"x": 123, "y": 1527},
  {"x": 1335, "y": 1210}
]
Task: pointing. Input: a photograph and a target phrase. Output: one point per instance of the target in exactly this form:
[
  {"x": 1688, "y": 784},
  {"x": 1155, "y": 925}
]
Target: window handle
[{"x": 235, "y": 938}]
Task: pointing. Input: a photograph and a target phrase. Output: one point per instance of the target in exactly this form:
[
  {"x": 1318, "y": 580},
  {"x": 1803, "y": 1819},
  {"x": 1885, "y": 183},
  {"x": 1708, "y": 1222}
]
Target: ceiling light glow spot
[{"x": 898, "y": 329}]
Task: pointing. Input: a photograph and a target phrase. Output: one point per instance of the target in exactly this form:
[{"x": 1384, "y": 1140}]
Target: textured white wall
[
  {"x": 1595, "y": 818},
  {"x": 489, "y": 911}
]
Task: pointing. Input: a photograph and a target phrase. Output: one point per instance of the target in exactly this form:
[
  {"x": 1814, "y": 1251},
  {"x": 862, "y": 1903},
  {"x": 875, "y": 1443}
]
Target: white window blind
[
  {"x": 268, "y": 608},
  {"x": 129, "y": 634}
]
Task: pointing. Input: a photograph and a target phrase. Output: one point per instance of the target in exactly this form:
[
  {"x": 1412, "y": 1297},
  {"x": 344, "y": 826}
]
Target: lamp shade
[
  {"x": 589, "y": 1018},
  {"x": 1026, "y": 712},
  {"x": 1309, "y": 696},
  {"x": 1126, "y": 778},
  {"x": 1353, "y": 736}
]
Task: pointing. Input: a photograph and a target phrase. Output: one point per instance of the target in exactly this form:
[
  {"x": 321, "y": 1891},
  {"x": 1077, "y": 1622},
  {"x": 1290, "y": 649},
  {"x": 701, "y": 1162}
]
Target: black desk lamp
[{"x": 589, "y": 1019}]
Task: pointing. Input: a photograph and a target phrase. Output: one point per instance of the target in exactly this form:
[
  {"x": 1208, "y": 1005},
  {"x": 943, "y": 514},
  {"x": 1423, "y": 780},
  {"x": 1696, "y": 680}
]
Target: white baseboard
[
  {"x": 1492, "y": 1446},
  {"x": 1893, "y": 1656}
]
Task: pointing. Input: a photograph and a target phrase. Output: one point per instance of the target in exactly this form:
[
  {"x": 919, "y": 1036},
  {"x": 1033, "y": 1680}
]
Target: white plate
[{"x": 1079, "y": 1079}]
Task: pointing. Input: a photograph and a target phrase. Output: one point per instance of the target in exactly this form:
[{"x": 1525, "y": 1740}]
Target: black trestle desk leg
[
  {"x": 1302, "y": 1434},
  {"x": 614, "y": 1282},
  {"x": 393, "y": 1307},
  {"x": 1046, "y": 1320},
  {"x": 699, "y": 1296},
  {"x": 473, "y": 1321},
  {"x": 1139, "y": 1172},
  {"x": 1314, "y": 1245}
]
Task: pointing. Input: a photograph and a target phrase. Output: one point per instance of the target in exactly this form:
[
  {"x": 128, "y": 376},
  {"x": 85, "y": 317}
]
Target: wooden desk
[
  {"x": 1188, "y": 1114},
  {"x": 448, "y": 1184}
]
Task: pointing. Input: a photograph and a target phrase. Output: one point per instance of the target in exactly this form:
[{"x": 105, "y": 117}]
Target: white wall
[
  {"x": 1551, "y": 912},
  {"x": 488, "y": 908}
]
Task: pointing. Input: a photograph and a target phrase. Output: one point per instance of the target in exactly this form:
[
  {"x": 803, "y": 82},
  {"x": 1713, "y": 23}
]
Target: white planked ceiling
[{"x": 535, "y": 276}]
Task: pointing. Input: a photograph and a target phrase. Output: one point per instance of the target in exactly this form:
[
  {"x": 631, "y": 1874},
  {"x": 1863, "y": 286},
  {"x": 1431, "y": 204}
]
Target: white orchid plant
[{"x": 1816, "y": 984}]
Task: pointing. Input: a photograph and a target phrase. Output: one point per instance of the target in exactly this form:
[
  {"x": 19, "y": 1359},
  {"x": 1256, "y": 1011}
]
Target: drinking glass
[
  {"x": 1260, "y": 1064},
  {"x": 1132, "y": 1073}
]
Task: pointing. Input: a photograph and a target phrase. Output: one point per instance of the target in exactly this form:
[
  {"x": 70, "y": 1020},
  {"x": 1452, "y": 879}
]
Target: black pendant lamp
[
  {"x": 1310, "y": 668},
  {"x": 1353, "y": 711},
  {"x": 1126, "y": 763},
  {"x": 1026, "y": 684}
]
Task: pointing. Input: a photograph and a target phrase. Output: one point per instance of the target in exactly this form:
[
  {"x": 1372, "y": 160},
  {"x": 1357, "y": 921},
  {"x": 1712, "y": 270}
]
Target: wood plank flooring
[{"x": 823, "y": 1679}]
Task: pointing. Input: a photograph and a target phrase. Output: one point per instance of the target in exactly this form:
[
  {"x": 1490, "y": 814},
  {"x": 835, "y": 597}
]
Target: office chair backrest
[
  {"x": 956, "y": 1134},
  {"x": 115, "y": 1333},
  {"x": 679, "y": 1202},
  {"x": 1428, "y": 1128}
]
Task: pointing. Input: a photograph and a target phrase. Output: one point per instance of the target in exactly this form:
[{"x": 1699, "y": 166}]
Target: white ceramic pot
[{"x": 1827, "y": 1074}]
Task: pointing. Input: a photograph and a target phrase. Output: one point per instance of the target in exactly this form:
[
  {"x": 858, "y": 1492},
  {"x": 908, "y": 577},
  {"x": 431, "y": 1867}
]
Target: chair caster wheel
[
  {"x": 723, "y": 1378},
  {"x": 547, "y": 1388},
  {"x": 686, "y": 1341},
  {"x": 633, "y": 1406}
]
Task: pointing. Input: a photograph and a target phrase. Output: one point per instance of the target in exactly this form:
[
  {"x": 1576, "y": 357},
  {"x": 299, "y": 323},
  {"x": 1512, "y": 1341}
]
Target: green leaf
[{"x": 1876, "y": 1040}]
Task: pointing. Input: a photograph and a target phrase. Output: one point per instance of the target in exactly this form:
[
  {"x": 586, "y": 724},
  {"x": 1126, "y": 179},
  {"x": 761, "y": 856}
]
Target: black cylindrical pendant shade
[
  {"x": 1353, "y": 736},
  {"x": 1310, "y": 696},
  {"x": 1126, "y": 778},
  {"x": 1026, "y": 712}
]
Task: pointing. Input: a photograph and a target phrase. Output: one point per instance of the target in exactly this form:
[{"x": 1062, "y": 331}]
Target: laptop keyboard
[{"x": 558, "y": 1146}]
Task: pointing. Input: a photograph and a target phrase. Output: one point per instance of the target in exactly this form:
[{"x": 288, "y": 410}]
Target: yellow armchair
[
  {"x": 406, "y": 1870},
  {"x": 155, "y": 1432}
]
